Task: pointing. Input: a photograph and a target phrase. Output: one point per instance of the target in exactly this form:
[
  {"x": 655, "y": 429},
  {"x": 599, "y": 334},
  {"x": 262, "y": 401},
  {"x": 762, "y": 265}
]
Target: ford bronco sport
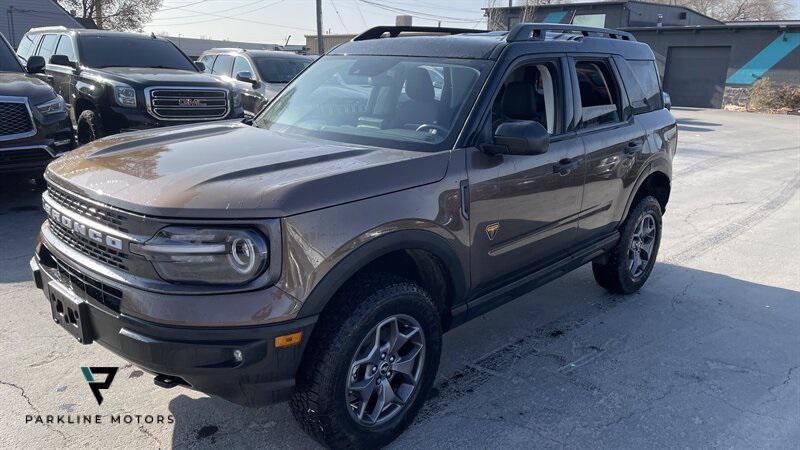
[
  {"x": 115, "y": 82},
  {"x": 363, "y": 212}
]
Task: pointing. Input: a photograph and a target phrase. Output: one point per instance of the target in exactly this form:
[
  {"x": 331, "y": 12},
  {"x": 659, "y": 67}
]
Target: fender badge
[{"x": 491, "y": 230}]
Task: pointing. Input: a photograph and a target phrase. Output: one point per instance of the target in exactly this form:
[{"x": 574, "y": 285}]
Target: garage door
[{"x": 695, "y": 76}]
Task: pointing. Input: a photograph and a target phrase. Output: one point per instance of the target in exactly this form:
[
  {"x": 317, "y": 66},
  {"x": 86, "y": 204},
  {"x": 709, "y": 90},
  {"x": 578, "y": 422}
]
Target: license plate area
[{"x": 70, "y": 311}]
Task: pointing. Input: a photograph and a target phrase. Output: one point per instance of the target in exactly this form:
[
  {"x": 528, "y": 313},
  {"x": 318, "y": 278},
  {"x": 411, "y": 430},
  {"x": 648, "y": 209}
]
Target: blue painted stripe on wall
[
  {"x": 554, "y": 17},
  {"x": 765, "y": 59}
]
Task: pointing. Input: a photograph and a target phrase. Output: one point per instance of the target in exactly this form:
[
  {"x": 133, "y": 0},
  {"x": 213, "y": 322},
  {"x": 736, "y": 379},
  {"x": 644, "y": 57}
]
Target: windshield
[
  {"x": 276, "y": 70},
  {"x": 387, "y": 101},
  {"x": 121, "y": 51},
  {"x": 8, "y": 60}
]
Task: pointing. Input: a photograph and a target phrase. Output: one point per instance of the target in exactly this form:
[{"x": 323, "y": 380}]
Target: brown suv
[{"x": 398, "y": 187}]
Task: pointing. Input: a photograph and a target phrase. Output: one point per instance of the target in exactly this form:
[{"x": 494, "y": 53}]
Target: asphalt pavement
[{"x": 707, "y": 354}]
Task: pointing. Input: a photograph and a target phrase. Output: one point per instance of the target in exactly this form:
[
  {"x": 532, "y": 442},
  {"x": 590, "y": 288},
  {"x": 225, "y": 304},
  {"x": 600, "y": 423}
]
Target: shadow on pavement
[
  {"x": 678, "y": 346},
  {"x": 21, "y": 216}
]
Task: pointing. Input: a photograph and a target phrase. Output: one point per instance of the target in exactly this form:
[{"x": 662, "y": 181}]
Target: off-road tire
[
  {"x": 90, "y": 127},
  {"x": 319, "y": 403},
  {"x": 611, "y": 272}
]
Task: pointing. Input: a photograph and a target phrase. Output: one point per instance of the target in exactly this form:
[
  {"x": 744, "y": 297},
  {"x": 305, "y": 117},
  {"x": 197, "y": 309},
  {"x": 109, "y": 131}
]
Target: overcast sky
[{"x": 273, "y": 21}]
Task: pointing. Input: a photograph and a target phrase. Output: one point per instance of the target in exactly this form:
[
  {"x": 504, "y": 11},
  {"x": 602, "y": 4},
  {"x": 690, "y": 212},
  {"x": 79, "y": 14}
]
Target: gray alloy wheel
[
  {"x": 640, "y": 250},
  {"x": 385, "y": 370}
]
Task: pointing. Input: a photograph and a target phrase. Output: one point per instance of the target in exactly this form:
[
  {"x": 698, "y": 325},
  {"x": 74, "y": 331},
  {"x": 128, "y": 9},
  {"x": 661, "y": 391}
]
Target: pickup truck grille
[
  {"x": 187, "y": 104},
  {"x": 15, "y": 120},
  {"x": 94, "y": 250},
  {"x": 106, "y": 216}
]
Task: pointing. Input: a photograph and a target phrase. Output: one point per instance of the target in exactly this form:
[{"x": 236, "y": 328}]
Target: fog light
[
  {"x": 237, "y": 355},
  {"x": 288, "y": 340}
]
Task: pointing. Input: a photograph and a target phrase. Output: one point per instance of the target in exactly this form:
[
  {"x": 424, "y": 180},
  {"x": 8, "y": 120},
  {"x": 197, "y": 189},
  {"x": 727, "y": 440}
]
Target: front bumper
[
  {"x": 200, "y": 357},
  {"x": 32, "y": 154}
]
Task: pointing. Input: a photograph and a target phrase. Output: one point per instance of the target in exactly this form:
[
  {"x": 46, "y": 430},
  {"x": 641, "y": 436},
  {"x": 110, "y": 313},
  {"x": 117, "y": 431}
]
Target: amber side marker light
[{"x": 288, "y": 340}]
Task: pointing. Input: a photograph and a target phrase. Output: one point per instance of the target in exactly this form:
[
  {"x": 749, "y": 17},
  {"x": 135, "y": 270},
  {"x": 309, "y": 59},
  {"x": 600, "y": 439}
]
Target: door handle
[
  {"x": 565, "y": 166},
  {"x": 633, "y": 147}
]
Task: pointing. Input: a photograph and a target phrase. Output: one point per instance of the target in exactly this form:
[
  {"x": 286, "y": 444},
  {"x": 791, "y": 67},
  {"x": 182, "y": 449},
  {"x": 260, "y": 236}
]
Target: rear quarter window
[{"x": 645, "y": 75}]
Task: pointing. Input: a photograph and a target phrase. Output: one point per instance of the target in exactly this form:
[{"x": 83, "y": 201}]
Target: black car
[
  {"x": 34, "y": 127},
  {"x": 261, "y": 74},
  {"x": 115, "y": 82}
]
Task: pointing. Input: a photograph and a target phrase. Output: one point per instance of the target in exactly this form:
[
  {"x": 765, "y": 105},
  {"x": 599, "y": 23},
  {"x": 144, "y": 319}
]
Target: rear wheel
[
  {"x": 628, "y": 265},
  {"x": 370, "y": 365},
  {"x": 89, "y": 127}
]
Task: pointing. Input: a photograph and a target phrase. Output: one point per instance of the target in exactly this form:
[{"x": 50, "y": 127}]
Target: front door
[
  {"x": 523, "y": 209},
  {"x": 250, "y": 96}
]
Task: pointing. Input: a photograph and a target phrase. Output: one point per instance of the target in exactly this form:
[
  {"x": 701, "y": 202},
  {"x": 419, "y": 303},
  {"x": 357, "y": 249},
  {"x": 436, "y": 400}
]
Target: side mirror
[
  {"x": 61, "y": 60},
  {"x": 201, "y": 66},
  {"x": 35, "y": 64},
  {"x": 247, "y": 77},
  {"x": 667, "y": 100},
  {"x": 523, "y": 137}
]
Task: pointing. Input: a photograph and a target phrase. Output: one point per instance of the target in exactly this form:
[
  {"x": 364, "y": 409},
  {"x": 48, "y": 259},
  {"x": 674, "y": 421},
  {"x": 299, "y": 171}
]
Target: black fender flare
[
  {"x": 370, "y": 251},
  {"x": 652, "y": 166}
]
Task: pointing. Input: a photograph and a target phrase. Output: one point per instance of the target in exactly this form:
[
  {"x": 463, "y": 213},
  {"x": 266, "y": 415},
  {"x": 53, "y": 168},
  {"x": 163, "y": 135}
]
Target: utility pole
[
  {"x": 10, "y": 15},
  {"x": 98, "y": 17},
  {"x": 320, "y": 41},
  {"x": 508, "y": 15}
]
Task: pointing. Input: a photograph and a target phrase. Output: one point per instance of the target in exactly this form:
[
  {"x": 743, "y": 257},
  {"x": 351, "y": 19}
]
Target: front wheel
[
  {"x": 370, "y": 364},
  {"x": 625, "y": 269},
  {"x": 90, "y": 127}
]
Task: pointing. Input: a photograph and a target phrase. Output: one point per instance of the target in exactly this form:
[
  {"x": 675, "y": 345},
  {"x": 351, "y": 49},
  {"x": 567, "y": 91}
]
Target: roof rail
[
  {"x": 537, "y": 31},
  {"x": 394, "y": 31},
  {"x": 50, "y": 28},
  {"x": 227, "y": 49}
]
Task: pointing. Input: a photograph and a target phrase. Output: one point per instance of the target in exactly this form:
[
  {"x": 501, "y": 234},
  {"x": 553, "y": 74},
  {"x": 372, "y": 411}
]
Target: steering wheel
[{"x": 431, "y": 128}]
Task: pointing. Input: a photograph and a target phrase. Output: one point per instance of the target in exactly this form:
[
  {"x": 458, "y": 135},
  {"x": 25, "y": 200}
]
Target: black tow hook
[{"x": 169, "y": 382}]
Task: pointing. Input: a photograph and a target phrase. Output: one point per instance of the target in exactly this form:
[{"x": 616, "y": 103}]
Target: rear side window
[
  {"x": 599, "y": 94},
  {"x": 646, "y": 75},
  {"x": 27, "y": 45},
  {"x": 65, "y": 48},
  {"x": 223, "y": 65},
  {"x": 48, "y": 47}
]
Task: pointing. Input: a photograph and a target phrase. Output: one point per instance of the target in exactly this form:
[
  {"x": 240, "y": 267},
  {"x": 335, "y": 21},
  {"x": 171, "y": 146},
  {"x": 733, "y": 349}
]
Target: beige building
[{"x": 329, "y": 41}]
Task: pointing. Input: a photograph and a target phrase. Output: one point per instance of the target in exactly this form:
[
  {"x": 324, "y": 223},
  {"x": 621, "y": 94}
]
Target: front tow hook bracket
[{"x": 168, "y": 382}]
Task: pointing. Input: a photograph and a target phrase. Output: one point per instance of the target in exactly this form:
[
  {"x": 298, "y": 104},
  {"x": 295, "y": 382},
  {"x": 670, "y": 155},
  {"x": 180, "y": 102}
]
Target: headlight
[
  {"x": 237, "y": 99},
  {"x": 125, "y": 96},
  {"x": 206, "y": 255},
  {"x": 53, "y": 106}
]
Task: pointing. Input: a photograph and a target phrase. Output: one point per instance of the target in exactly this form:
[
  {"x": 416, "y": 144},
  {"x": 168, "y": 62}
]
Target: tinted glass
[
  {"x": 48, "y": 47},
  {"x": 8, "y": 60},
  {"x": 223, "y": 65},
  {"x": 121, "y": 51},
  {"x": 65, "y": 48},
  {"x": 598, "y": 94},
  {"x": 277, "y": 70},
  {"x": 385, "y": 101},
  {"x": 647, "y": 77},
  {"x": 27, "y": 45},
  {"x": 241, "y": 65},
  {"x": 529, "y": 92}
]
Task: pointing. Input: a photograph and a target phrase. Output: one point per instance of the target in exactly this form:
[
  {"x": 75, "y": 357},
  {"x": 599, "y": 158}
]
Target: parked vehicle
[
  {"x": 261, "y": 74},
  {"x": 321, "y": 255},
  {"x": 115, "y": 82},
  {"x": 34, "y": 127}
]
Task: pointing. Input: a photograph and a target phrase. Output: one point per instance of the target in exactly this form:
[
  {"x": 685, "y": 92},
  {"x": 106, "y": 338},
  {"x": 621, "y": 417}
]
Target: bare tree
[
  {"x": 124, "y": 15},
  {"x": 733, "y": 10}
]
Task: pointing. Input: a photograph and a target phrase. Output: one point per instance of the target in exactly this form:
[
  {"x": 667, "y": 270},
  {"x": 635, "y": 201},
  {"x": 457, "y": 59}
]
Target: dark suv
[
  {"x": 366, "y": 210},
  {"x": 260, "y": 74},
  {"x": 115, "y": 82},
  {"x": 34, "y": 127}
]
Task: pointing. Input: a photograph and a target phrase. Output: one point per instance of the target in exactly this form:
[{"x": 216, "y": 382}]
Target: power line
[
  {"x": 419, "y": 14},
  {"x": 340, "y": 16}
]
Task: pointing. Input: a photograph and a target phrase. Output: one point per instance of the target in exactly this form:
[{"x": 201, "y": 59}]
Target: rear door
[{"x": 612, "y": 139}]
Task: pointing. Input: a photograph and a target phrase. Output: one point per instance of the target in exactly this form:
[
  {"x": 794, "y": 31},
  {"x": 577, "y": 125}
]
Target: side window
[
  {"x": 529, "y": 92},
  {"x": 48, "y": 47},
  {"x": 65, "y": 48},
  {"x": 240, "y": 64},
  {"x": 223, "y": 65},
  {"x": 208, "y": 61},
  {"x": 647, "y": 77},
  {"x": 599, "y": 94},
  {"x": 27, "y": 45}
]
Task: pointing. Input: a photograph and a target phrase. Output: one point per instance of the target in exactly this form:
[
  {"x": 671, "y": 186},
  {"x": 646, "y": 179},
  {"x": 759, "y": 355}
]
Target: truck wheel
[
  {"x": 628, "y": 265},
  {"x": 89, "y": 127},
  {"x": 369, "y": 365}
]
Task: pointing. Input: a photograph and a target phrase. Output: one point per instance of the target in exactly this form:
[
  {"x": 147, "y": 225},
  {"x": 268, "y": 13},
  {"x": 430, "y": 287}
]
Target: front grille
[
  {"x": 81, "y": 283},
  {"x": 104, "y": 215},
  {"x": 187, "y": 104},
  {"x": 24, "y": 156},
  {"x": 94, "y": 250},
  {"x": 15, "y": 119}
]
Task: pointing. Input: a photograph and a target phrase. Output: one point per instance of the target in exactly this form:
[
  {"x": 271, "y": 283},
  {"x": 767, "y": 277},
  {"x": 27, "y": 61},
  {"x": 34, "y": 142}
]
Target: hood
[
  {"x": 25, "y": 85},
  {"x": 150, "y": 76},
  {"x": 232, "y": 170}
]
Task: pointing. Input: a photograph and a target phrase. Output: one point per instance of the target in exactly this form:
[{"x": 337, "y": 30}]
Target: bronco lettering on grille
[{"x": 82, "y": 229}]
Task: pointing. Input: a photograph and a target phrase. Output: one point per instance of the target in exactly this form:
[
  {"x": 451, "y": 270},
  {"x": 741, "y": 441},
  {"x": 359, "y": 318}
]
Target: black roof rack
[
  {"x": 394, "y": 31},
  {"x": 537, "y": 31}
]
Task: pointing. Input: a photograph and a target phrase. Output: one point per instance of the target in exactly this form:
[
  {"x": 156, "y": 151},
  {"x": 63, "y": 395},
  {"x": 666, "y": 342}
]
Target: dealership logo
[{"x": 90, "y": 372}]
